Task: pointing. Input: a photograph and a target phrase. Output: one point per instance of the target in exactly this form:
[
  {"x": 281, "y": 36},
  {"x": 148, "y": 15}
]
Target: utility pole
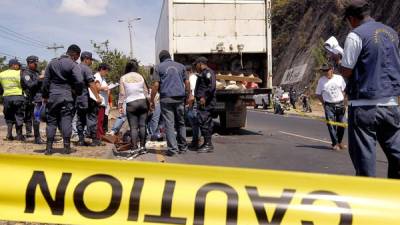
[
  {"x": 55, "y": 47},
  {"x": 106, "y": 43},
  {"x": 130, "y": 21},
  {"x": 268, "y": 18}
]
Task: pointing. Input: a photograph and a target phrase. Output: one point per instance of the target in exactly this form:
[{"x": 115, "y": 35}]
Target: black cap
[
  {"x": 13, "y": 62},
  {"x": 164, "y": 55},
  {"x": 326, "y": 67},
  {"x": 356, "y": 8},
  {"x": 201, "y": 59},
  {"x": 86, "y": 55},
  {"x": 32, "y": 59}
]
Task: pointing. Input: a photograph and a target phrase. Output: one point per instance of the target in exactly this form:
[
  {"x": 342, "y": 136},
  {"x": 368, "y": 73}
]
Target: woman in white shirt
[{"x": 134, "y": 93}]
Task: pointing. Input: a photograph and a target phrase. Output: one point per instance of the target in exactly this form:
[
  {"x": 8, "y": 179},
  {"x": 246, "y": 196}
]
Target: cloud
[{"x": 84, "y": 7}]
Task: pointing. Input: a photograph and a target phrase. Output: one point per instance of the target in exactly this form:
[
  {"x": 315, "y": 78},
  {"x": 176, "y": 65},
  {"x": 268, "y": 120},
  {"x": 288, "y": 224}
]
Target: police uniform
[
  {"x": 205, "y": 88},
  {"x": 86, "y": 108},
  {"x": 63, "y": 81},
  {"x": 13, "y": 100},
  {"x": 32, "y": 89}
]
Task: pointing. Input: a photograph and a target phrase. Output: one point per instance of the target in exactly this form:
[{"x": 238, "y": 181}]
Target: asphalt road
[
  {"x": 269, "y": 141},
  {"x": 276, "y": 142}
]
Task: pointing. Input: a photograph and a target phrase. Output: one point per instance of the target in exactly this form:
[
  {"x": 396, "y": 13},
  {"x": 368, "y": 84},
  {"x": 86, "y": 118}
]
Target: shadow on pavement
[
  {"x": 319, "y": 147},
  {"x": 238, "y": 132}
]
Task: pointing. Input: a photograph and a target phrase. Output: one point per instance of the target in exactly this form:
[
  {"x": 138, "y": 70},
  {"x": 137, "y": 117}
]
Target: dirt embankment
[{"x": 299, "y": 26}]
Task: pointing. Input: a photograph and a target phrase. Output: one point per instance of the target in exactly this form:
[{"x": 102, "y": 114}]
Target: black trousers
[
  {"x": 206, "y": 124},
  {"x": 14, "y": 110},
  {"x": 87, "y": 117},
  {"x": 59, "y": 114},
  {"x": 136, "y": 113},
  {"x": 29, "y": 118}
]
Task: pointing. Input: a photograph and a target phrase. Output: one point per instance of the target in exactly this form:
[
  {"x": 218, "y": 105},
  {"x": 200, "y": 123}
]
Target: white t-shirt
[
  {"x": 331, "y": 89},
  {"x": 192, "y": 81},
  {"x": 103, "y": 83}
]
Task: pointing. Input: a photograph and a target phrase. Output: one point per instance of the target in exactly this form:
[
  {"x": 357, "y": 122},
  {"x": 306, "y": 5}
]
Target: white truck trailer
[{"x": 232, "y": 34}]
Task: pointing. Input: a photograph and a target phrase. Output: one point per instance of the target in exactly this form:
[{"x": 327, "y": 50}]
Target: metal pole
[
  {"x": 130, "y": 39},
  {"x": 55, "y": 47},
  {"x": 268, "y": 8}
]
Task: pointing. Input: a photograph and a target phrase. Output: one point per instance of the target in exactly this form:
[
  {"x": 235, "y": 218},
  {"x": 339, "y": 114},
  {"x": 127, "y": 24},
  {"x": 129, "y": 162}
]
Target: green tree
[
  {"x": 117, "y": 61},
  {"x": 3, "y": 65}
]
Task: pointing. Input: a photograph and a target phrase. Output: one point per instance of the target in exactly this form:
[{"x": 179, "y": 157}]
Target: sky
[{"x": 66, "y": 22}]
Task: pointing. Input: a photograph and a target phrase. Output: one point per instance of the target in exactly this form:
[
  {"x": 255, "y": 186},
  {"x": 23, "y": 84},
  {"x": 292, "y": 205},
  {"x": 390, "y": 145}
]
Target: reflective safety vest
[{"x": 10, "y": 80}]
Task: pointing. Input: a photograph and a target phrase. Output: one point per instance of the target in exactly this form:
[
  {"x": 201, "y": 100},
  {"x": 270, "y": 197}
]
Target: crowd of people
[
  {"x": 368, "y": 74},
  {"x": 69, "y": 96}
]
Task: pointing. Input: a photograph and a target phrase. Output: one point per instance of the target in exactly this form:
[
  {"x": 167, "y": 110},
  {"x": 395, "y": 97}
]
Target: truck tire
[{"x": 255, "y": 106}]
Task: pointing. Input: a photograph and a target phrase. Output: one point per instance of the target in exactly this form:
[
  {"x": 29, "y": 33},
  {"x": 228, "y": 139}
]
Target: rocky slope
[{"x": 300, "y": 26}]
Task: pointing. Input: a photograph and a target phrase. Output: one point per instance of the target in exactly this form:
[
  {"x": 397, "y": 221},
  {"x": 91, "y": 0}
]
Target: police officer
[
  {"x": 86, "y": 108},
  {"x": 13, "y": 99},
  {"x": 206, "y": 100},
  {"x": 371, "y": 62},
  {"x": 63, "y": 81},
  {"x": 32, "y": 84}
]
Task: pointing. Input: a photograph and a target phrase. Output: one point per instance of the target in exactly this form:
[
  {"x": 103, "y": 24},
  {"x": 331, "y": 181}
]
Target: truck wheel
[{"x": 255, "y": 106}]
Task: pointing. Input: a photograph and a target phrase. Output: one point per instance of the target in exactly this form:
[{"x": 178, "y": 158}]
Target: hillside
[{"x": 300, "y": 26}]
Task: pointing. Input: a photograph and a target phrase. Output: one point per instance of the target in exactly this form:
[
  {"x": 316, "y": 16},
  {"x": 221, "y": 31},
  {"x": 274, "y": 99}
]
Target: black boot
[
  {"x": 20, "y": 137},
  {"x": 38, "y": 141},
  {"x": 36, "y": 131},
  {"x": 49, "y": 148},
  {"x": 207, "y": 147},
  {"x": 67, "y": 148},
  {"x": 96, "y": 142},
  {"x": 9, "y": 132},
  {"x": 81, "y": 141},
  {"x": 28, "y": 128},
  {"x": 194, "y": 146}
]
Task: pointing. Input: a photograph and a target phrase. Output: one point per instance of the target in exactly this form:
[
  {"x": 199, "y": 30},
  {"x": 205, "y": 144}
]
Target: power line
[
  {"x": 22, "y": 42},
  {"x": 9, "y": 34},
  {"x": 23, "y": 36},
  {"x": 55, "y": 47}
]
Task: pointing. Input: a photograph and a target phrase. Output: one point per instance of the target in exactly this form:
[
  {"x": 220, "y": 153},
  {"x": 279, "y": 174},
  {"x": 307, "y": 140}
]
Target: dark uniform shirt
[
  {"x": 62, "y": 77},
  {"x": 82, "y": 100},
  {"x": 206, "y": 87},
  {"x": 32, "y": 85},
  {"x": 172, "y": 77}
]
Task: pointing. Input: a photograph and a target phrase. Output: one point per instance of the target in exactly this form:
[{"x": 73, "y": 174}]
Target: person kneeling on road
[
  {"x": 330, "y": 91},
  {"x": 206, "y": 101}
]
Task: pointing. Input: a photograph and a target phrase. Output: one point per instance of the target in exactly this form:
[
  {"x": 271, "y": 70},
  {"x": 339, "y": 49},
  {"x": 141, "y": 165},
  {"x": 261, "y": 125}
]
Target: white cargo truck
[{"x": 230, "y": 33}]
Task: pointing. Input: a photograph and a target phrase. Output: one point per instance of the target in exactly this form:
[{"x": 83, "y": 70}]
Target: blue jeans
[
  {"x": 194, "y": 123},
  {"x": 155, "y": 121},
  {"x": 335, "y": 113},
  {"x": 118, "y": 123},
  {"x": 173, "y": 115},
  {"x": 367, "y": 126}
]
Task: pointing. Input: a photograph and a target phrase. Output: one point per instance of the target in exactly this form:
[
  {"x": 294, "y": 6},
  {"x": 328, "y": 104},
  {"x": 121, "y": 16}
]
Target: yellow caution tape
[
  {"x": 83, "y": 191},
  {"x": 333, "y": 123}
]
